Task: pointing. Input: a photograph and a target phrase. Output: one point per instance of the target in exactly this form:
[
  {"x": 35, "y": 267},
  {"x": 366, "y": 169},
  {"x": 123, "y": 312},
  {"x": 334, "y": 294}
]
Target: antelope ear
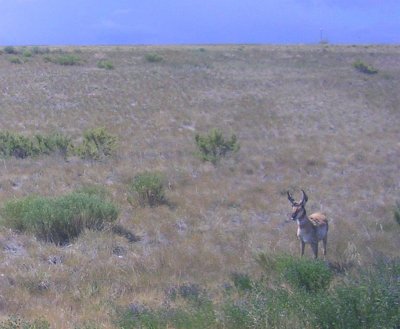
[
  {"x": 290, "y": 198},
  {"x": 304, "y": 199}
]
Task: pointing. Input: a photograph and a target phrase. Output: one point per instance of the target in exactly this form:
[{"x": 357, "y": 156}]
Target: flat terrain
[{"x": 305, "y": 118}]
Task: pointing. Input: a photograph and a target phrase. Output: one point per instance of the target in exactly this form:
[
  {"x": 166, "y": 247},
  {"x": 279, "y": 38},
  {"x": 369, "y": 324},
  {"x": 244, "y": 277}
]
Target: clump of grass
[
  {"x": 59, "y": 219},
  {"x": 214, "y": 146},
  {"x": 148, "y": 188},
  {"x": 153, "y": 58},
  {"x": 105, "y": 64},
  {"x": 97, "y": 144},
  {"x": 364, "y": 68}
]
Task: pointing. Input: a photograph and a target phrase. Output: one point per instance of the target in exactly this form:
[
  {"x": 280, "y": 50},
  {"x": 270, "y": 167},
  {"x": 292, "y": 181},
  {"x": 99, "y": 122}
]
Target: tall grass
[
  {"x": 368, "y": 298},
  {"x": 59, "y": 219}
]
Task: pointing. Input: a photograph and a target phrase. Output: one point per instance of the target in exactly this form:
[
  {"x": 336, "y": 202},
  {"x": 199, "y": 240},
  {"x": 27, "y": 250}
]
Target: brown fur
[{"x": 318, "y": 219}]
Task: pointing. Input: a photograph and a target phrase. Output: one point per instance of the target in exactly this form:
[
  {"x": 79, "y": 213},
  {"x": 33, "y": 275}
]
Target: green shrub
[
  {"x": 52, "y": 143},
  {"x": 301, "y": 273},
  {"x": 15, "y": 60},
  {"x": 58, "y": 219},
  {"x": 214, "y": 146},
  {"x": 148, "y": 188},
  {"x": 27, "y": 53},
  {"x": 19, "y": 146},
  {"x": 11, "y": 50},
  {"x": 364, "y": 68},
  {"x": 105, "y": 64},
  {"x": 97, "y": 144},
  {"x": 15, "y": 145},
  {"x": 153, "y": 58},
  {"x": 65, "y": 59}
]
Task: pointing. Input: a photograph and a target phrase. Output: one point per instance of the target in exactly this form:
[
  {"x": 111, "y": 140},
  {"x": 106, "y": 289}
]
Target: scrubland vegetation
[{"x": 145, "y": 187}]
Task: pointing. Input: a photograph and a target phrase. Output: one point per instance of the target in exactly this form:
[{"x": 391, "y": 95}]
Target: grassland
[{"x": 304, "y": 118}]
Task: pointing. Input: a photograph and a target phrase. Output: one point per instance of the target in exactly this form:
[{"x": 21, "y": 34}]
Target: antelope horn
[
  {"x": 292, "y": 201},
  {"x": 305, "y": 198}
]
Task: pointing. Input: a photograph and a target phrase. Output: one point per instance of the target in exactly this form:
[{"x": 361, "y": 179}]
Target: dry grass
[{"x": 303, "y": 116}]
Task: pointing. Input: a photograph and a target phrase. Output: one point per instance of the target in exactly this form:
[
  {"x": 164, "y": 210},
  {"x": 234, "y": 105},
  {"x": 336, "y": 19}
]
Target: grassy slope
[{"x": 304, "y": 116}]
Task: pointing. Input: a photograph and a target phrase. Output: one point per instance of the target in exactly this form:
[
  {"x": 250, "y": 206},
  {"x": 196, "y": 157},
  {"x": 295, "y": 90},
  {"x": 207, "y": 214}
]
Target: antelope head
[{"x": 298, "y": 207}]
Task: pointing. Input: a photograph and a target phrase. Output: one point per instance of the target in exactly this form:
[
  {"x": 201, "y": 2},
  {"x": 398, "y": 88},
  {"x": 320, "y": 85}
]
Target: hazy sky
[{"x": 77, "y": 22}]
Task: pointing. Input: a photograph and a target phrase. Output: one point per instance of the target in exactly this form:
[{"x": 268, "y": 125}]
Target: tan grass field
[{"x": 305, "y": 118}]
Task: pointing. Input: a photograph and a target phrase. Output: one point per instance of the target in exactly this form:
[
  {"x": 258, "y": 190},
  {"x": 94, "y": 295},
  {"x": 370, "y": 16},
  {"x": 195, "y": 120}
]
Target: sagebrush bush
[
  {"x": 97, "y": 144},
  {"x": 19, "y": 146},
  {"x": 153, "y": 58},
  {"x": 364, "y": 68},
  {"x": 214, "y": 146},
  {"x": 59, "y": 219},
  {"x": 15, "y": 60},
  {"x": 11, "y": 50},
  {"x": 148, "y": 188},
  {"x": 105, "y": 64}
]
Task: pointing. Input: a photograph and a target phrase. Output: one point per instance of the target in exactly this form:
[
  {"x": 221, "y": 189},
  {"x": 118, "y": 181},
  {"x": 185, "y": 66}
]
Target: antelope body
[{"x": 310, "y": 229}]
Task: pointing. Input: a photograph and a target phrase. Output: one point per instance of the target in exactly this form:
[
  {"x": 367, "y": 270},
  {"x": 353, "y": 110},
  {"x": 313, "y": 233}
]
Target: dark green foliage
[
  {"x": 397, "y": 213},
  {"x": 149, "y": 189},
  {"x": 241, "y": 281},
  {"x": 214, "y": 146},
  {"x": 97, "y": 144},
  {"x": 153, "y": 58},
  {"x": 11, "y": 50},
  {"x": 105, "y": 64},
  {"x": 19, "y": 146},
  {"x": 59, "y": 219},
  {"x": 364, "y": 68}
]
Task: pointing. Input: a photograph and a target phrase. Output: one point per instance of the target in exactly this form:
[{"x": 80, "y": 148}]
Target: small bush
[
  {"x": 15, "y": 60},
  {"x": 148, "y": 187},
  {"x": 214, "y": 146},
  {"x": 364, "y": 68},
  {"x": 27, "y": 53},
  {"x": 52, "y": 143},
  {"x": 58, "y": 219},
  {"x": 66, "y": 59},
  {"x": 15, "y": 145},
  {"x": 97, "y": 144},
  {"x": 105, "y": 64},
  {"x": 19, "y": 146},
  {"x": 11, "y": 50},
  {"x": 153, "y": 58}
]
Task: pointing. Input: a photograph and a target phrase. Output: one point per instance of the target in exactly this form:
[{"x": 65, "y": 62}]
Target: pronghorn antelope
[{"x": 310, "y": 229}]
